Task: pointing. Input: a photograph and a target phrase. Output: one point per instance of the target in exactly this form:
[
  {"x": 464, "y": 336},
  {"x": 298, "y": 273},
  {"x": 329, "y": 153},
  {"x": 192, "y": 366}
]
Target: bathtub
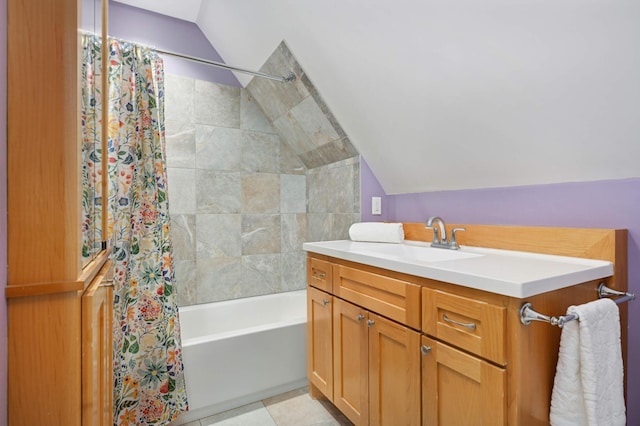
[{"x": 240, "y": 351}]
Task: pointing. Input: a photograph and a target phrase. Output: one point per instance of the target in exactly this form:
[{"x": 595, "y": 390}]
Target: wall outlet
[{"x": 376, "y": 205}]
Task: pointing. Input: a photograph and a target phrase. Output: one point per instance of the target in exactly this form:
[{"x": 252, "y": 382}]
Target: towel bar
[{"x": 527, "y": 314}]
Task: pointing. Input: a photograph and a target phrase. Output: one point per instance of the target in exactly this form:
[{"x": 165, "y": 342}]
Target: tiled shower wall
[{"x": 241, "y": 200}]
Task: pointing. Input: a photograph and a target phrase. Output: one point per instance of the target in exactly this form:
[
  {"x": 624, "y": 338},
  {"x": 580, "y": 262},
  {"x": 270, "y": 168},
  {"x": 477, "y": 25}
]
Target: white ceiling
[{"x": 454, "y": 94}]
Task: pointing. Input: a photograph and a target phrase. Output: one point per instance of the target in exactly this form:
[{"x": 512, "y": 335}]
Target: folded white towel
[
  {"x": 588, "y": 389},
  {"x": 378, "y": 232}
]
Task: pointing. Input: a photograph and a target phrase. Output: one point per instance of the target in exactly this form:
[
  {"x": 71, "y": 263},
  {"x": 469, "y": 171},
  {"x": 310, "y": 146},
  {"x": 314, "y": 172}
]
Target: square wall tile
[
  {"x": 217, "y": 192},
  {"x": 260, "y": 274},
  {"x": 251, "y": 115},
  {"x": 218, "y": 279},
  {"x": 181, "y": 191},
  {"x": 260, "y": 234},
  {"x": 294, "y": 231},
  {"x": 261, "y": 193},
  {"x": 183, "y": 236},
  {"x": 293, "y": 271},
  {"x": 180, "y": 144},
  {"x": 218, "y": 235},
  {"x": 260, "y": 152},
  {"x": 179, "y": 98},
  {"x": 293, "y": 194},
  {"x": 217, "y": 104},
  {"x": 314, "y": 123},
  {"x": 217, "y": 148}
]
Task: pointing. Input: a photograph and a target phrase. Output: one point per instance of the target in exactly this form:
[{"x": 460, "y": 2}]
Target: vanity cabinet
[
  {"x": 412, "y": 350},
  {"x": 373, "y": 373}
]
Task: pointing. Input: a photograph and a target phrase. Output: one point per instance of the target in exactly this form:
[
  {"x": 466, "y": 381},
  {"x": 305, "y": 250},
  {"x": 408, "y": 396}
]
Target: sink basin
[{"x": 416, "y": 253}]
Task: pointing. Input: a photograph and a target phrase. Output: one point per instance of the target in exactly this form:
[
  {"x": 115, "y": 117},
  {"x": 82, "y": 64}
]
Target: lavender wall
[
  {"x": 370, "y": 187},
  {"x": 155, "y": 30},
  {"x": 3, "y": 211},
  {"x": 602, "y": 204}
]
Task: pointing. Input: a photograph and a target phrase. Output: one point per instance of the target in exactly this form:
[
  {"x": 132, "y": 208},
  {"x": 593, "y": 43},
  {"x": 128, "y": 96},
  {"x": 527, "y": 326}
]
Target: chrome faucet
[{"x": 440, "y": 234}]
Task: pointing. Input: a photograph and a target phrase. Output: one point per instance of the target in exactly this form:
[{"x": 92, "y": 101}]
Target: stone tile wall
[
  {"x": 241, "y": 199},
  {"x": 299, "y": 114}
]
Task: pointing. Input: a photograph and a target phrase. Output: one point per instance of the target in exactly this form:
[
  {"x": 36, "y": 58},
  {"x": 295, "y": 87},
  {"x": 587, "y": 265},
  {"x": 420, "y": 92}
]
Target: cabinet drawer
[
  {"x": 469, "y": 324},
  {"x": 389, "y": 297},
  {"x": 319, "y": 274}
]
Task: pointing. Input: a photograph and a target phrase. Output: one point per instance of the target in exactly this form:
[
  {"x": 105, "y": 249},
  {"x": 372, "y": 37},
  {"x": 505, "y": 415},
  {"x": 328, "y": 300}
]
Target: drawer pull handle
[
  {"x": 325, "y": 302},
  {"x": 370, "y": 323},
  {"x": 471, "y": 326},
  {"x": 360, "y": 317},
  {"x": 425, "y": 349},
  {"x": 319, "y": 275}
]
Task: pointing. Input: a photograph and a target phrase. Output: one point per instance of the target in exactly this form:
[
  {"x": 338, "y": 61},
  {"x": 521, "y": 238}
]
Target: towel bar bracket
[{"x": 527, "y": 314}]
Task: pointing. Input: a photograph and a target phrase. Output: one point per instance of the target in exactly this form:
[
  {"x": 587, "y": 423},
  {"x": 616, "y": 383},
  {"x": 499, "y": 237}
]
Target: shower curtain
[{"x": 148, "y": 377}]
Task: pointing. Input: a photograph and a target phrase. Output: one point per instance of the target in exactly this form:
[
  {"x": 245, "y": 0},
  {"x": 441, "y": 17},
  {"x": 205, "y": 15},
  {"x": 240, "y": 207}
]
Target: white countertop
[{"x": 510, "y": 273}]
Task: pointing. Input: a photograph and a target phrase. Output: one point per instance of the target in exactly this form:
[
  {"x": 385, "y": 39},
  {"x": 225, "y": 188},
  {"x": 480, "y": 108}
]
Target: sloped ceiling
[{"x": 442, "y": 94}]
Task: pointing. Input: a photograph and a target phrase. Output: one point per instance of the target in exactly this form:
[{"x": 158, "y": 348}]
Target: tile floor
[{"x": 295, "y": 408}]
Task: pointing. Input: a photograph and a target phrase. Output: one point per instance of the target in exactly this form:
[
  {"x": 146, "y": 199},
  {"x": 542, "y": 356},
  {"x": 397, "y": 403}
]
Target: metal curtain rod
[
  {"x": 288, "y": 78},
  {"x": 282, "y": 79}
]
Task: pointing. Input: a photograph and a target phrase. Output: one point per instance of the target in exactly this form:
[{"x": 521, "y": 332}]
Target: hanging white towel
[
  {"x": 377, "y": 232},
  {"x": 588, "y": 389}
]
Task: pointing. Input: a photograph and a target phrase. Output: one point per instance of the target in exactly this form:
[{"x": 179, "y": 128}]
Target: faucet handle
[
  {"x": 436, "y": 238},
  {"x": 453, "y": 241}
]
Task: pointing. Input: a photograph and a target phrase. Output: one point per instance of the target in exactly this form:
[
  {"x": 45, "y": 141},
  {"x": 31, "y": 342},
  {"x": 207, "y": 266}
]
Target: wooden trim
[
  {"x": 105, "y": 118},
  {"x": 97, "y": 359},
  {"x": 35, "y": 289}
]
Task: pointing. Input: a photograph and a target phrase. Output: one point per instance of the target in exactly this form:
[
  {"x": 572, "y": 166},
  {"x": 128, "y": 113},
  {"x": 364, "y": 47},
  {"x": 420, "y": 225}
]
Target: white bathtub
[{"x": 240, "y": 351}]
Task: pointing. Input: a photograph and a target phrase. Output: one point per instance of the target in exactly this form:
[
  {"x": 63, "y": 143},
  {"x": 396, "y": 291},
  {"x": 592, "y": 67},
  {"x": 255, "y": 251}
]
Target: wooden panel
[
  {"x": 395, "y": 299},
  {"x": 97, "y": 365},
  {"x": 350, "y": 361},
  {"x": 532, "y": 353},
  {"x": 319, "y": 343},
  {"x": 319, "y": 274},
  {"x": 442, "y": 316},
  {"x": 394, "y": 373},
  {"x": 44, "y": 360},
  {"x": 460, "y": 389},
  {"x": 43, "y": 145}
]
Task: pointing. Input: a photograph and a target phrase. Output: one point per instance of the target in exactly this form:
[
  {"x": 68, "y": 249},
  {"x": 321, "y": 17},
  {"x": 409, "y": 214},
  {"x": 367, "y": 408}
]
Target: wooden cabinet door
[
  {"x": 394, "y": 373},
  {"x": 460, "y": 389},
  {"x": 350, "y": 361},
  {"x": 97, "y": 365},
  {"x": 319, "y": 342}
]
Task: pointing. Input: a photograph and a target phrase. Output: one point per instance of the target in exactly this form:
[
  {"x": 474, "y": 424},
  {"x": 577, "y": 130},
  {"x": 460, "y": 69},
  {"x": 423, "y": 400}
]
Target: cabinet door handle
[
  {"x": 360, "y": 317},
  {"x": 325, "y": 302},
  {"x": 425, "y": 349},
  {"x": 370, "y": 323},
  {"x": 319, "y": 275},
  {"x": 471, "y": 326}
]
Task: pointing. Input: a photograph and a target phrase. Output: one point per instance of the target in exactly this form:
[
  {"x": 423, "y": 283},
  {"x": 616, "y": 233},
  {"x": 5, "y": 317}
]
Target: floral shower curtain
[
  {"x": 91, "y": 117},
  {"x": 149, "y": 383}
]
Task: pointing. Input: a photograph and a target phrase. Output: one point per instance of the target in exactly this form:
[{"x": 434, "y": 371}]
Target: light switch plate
[{"x": 376, "y": 205}]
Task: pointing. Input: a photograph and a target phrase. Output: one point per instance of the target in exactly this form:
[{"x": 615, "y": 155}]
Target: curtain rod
[
  {"x": 288, "y": 78},
  {"x": 282, "y": 79}
]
